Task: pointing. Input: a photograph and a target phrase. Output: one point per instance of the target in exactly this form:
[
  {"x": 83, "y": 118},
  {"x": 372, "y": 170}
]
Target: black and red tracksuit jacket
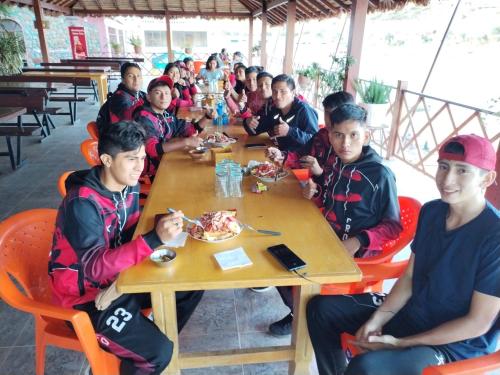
[
  {"x": 160, "y": 128},
  {"x": 93, "y": 242},
  {"x": 317, "y": 147},
  {"x": 186, "y": 98},
  {"x": 360, "y": 200},
  {"x": 120, "y": 106}
]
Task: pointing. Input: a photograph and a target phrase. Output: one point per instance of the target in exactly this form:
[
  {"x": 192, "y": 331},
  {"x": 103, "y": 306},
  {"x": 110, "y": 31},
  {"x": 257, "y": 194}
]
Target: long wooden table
[
  {"x": 100, "y": 78},
  {"x": 184, "y": 184},
  {"x": 92, "y": 69}
]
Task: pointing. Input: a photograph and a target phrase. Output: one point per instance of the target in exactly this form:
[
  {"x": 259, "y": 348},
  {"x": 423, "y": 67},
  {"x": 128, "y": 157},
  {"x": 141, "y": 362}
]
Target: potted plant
[
  {"x": 307, "y": 74},
  {"x": 12, "y": 48},
  {"x": 116, "y": 47},
  {"x": 375, "y": 98},
  {"x": 333, "y": 80},
  {"x": 137, "y": 43}
]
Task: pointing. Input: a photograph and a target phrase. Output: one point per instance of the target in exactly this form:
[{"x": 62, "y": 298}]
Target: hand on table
[
  {"x": 274, "y": 154},
  {"x": 310, "y": 189},
  {"x": 169, "y": 226},
  {"x": 253, "y": 122}
]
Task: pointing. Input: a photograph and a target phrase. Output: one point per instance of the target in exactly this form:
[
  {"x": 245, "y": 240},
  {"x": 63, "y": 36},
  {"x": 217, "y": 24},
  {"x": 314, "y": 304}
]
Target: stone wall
[{"x": 57, "y": 35}]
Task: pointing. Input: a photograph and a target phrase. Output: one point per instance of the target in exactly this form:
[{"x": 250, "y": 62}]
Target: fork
[
  {"x": 262, "y": 231},
  {"x": 185, "y": 218}
]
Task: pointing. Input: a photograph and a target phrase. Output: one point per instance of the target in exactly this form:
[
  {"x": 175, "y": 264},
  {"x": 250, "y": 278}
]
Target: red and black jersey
[
  {"x": 185, "y": 99},
  {"x": 93, "y": 242},
  {"x": 120, "y": 106},
  {"x": 360, "y": 200},
  {"x": 160, "y": 128}
]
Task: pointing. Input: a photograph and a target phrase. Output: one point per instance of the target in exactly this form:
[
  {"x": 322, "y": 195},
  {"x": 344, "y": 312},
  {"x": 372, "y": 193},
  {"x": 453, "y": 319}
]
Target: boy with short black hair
[
  {"x": 290, "y": 122},
  {"x": 356, "y": 193},
  {"x": 165, "y": 133},
  {"x": 121, "y": 105},
  {"x": 93, "y": 244},
  {"x": 445, "y": 307}
]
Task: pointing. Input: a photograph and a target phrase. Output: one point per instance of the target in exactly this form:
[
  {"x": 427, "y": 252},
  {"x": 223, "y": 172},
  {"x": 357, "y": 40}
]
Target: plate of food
[
  {"x": 268, "y": 172},
  {"x": 218, "y": 226},
  {"x": 219, "y": 140}
]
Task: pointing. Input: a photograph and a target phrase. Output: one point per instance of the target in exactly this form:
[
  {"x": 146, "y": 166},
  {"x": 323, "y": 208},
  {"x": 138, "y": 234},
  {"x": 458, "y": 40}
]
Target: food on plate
[
  {"x": 268, "y": 170},
  {"x": 217, "y": 226},
  {"x": 219, "y": 138}
]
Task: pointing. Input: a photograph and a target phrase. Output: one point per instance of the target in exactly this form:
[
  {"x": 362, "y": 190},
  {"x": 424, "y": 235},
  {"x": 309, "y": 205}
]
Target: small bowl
[
  {"x": 163, "y": 257},
  {"x": 198, "y": 153}
]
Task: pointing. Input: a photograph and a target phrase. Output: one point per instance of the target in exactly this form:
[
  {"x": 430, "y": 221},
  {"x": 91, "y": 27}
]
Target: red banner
[{"x": 78, "y": 42}]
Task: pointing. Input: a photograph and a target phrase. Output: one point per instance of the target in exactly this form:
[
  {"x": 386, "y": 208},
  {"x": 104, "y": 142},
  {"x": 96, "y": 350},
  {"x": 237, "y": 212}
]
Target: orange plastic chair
[
  {"x": 92, "y": 130},
  {"x": 485, "y": 365},
  {"x": 25, "y": 243},
  {"x": 198, "y": 64},
  {"x": 89, "y": 151},
  {"x": 410, "y": 209},
  {"x": 61, "y": 183}
]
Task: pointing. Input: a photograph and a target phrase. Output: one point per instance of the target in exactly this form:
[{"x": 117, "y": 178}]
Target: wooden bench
[
  {"x": 8, "y": 131},
  {"x": 72, "y": 101}
]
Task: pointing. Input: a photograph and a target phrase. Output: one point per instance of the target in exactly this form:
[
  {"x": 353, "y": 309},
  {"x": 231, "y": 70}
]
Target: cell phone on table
[
  {"x": 286, "y": 257},
  {"x": 256, "y": 145}
]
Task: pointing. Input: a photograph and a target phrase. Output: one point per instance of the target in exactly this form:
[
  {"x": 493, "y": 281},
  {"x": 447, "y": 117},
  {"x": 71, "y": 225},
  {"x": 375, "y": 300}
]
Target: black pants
[
  {"x": 329, "y": 316},
  {"x": 286, "y": 293},
  {"x": 122, "y": 330}
]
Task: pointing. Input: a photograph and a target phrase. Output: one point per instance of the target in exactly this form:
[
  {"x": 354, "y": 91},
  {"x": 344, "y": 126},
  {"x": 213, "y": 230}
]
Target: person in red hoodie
[
  {"x": 122, "y": 104},
  {"x": 183, "y": 90},
  {"x": 93, "y": 243}
]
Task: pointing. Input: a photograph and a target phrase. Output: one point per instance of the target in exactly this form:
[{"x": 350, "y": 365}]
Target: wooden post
[
  {"x": 263, "y": 36},
  {"x": 290, "y": 33},
  {"x": 169, "y": 39},
  {"x": 39, "y": 26},
  {"x": 493, "y": 192},
  {"x": 359, "y": 8},
  {"x": 250, "y": 40},
  {"x": 396, "y": 118}
]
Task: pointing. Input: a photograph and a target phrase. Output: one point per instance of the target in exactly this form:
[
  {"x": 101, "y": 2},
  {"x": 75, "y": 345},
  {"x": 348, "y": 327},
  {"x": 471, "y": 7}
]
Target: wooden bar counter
[{"x": 188, "y": 185}]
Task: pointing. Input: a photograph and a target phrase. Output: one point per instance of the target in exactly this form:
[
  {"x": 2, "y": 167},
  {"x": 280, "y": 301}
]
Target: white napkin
[{"x": 178, "y": 241}]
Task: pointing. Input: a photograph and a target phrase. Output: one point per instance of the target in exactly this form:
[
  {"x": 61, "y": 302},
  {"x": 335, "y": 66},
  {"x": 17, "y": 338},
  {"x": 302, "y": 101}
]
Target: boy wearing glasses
[{"x": 356, "y": 192}]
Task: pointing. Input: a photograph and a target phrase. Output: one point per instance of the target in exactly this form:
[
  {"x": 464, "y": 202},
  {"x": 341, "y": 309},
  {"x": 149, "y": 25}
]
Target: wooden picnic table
[
  {"x": 115, "y": 66},
  {"x": 72, "y": 77},
  {"x": 188, "y": 185},
  {"x": 33, "y": 86},
  {"x": 117, "y": 58},
  {"x": 92, "y": 69},
  {"x": 8, "y": 131}
]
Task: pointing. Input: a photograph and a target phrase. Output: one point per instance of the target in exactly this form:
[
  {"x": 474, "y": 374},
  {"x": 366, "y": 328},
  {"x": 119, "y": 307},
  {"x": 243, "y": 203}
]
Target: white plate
[
  {"x": 188, "y": 230},
  {"x": 222, "y": 144},
  {"x": 271, "y": 179}
]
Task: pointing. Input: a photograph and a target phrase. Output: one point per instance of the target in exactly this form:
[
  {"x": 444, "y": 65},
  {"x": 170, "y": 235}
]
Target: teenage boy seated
[
  {"x": 356, "y": 193},
  {"x": 121, "y": 105},
  {"x": 315, "y": 153},
  {"x": 93, "y": 244},
  {"x": 165, "y": 133},
  {"x": 446, "y": 305},
  {"x": 291, "y": 122}
]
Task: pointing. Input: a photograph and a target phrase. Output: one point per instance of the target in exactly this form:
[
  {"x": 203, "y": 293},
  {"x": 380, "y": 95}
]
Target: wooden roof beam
[
  {"x": 303, "y": 10},
  {"x": 182, "y": 5},
  {"x": 272, "y": 4},
  {"x": 148, "y": 2},
  {"x": 320, "y": 7},
  {"x": 247, "y": 5},
  {"x": 46, "y": 6},
  {"x": 98, "y": 3},
  {"x": 340, "y": 3},
  {"x": 128, "y": 12},
  {"x": 115, "y": 4},
  {"x": 132, "y": 5},
  {"x": 165, "y": 4}
]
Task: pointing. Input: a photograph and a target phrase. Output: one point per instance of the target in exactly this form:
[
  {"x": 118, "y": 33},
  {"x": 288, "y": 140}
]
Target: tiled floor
[{"x": 224, "y": 319}]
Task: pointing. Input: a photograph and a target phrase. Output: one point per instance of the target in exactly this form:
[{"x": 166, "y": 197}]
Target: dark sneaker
[
  {"x": 282, "y": 327},
  {"x": 260, "y": 289}
]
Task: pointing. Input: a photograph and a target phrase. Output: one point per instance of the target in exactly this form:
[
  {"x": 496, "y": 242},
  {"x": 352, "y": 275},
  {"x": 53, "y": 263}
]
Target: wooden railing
[{"x": 421, "y": 123}]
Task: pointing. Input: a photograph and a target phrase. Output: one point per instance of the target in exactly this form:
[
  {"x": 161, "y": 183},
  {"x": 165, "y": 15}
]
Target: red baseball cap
[
  {"x": 478, "y": 151},
  {"x": 161, "y": 81}
]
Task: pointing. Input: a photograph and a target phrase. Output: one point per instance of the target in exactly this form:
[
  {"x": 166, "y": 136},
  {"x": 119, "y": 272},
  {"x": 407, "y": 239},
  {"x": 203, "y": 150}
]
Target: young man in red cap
[
  {"x": 165, "y": 133},
  {"x": 446, "y": 305}
]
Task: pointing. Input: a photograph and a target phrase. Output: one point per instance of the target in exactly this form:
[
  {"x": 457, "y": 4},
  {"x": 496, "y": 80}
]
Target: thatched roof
[{"x": 277, "y": 9}]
